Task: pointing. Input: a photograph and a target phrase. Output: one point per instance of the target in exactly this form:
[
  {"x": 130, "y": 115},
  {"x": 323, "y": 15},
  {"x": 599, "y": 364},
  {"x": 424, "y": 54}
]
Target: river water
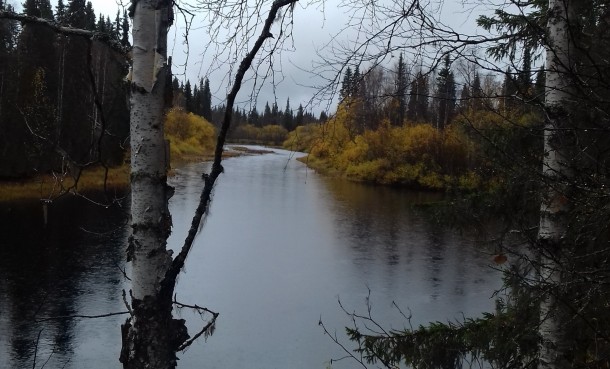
[{"x": 280, "y": 248}]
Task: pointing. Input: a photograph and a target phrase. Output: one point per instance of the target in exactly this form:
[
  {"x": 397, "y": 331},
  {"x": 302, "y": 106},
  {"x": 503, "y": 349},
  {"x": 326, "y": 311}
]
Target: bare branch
[{"x": 217, "y": 168}]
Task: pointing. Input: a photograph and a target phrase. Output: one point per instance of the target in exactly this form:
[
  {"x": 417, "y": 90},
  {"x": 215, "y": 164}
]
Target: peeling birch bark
[{"x": 150, "y": 335}]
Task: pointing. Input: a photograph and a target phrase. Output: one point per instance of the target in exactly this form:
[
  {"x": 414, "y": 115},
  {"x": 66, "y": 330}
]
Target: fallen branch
[{"x": 68, "y": 31}]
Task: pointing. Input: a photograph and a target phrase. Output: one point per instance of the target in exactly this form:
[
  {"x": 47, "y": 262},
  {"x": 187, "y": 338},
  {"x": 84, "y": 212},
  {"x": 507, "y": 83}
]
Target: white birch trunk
[
  {"x": 148, "y": 167},
  {"x": 149, "y": 336},
  {"x": 557, "y": 173}
]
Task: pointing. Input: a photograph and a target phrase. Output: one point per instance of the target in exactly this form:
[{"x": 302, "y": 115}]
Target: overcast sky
[{"x": 314, "y": 27}]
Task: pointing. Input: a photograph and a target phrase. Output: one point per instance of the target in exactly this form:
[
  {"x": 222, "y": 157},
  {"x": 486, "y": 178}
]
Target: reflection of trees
[
  {"x": 46, "y": 272},
  {"x": 378, "y": 221},
  {"x": 435, "y": 252},
  {"x": 385, "y": 230}
]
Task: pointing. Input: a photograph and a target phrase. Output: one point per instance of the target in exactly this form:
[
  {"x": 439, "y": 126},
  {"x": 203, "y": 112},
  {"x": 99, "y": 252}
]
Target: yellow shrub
[
  {"x": 188, "y": 134},
  {"x": 415, "y": 155}
]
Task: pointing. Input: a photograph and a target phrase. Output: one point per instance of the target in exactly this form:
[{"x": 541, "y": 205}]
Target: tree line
[
  {"x": 271, "y": 126},
  {"x": 406, "y": 126}
]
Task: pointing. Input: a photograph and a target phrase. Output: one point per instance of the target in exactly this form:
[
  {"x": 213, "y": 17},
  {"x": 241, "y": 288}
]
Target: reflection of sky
[{"x": 281, "y": 245}]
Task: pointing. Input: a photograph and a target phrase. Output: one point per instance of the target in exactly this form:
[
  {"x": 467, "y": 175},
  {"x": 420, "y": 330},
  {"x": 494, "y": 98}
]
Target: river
[{"x": 280, "y": 248}]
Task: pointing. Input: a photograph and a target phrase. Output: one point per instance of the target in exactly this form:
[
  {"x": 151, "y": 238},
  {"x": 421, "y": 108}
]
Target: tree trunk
[
  {"x": 557, "y": 174},
  {"x": 150, "y": 336}
]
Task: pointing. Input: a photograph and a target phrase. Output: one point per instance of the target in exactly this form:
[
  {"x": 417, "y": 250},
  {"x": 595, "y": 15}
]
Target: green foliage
[
  {"x": 189, "y": 134},
  {"x": 507, "y": 338}
]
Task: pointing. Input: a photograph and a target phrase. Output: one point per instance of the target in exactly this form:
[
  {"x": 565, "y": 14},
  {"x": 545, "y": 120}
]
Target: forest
[{"x": 514, "y": 132}]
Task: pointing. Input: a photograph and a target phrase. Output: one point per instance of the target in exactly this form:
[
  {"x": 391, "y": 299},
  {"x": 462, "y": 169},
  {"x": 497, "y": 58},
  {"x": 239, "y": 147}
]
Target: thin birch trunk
[{"x": 557, "y": 173}]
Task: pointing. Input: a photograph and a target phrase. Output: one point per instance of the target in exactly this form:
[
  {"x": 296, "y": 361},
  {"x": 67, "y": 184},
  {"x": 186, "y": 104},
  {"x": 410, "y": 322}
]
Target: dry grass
[{"x": 51, "y": 186}]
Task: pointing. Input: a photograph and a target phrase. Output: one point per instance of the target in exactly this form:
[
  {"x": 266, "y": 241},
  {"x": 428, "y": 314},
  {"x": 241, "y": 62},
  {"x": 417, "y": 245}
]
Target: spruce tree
[
  {"x": 188, "y": 96},
  {"x": 465, "y": 99},
  {"x": 300, "y": 116},
  {"x": 287, "y": 121},
  {"x": 477, "y": 93},
  {"x": 60, "y": 12},
  {"x": 346, "y": 85},
  {"x": 267, "y": 114},
  {"x": 509, "y": 91},
  {"x": 445, "y": 94},
  {"x": 75, "y": 14},
  {"x": 423, "y": 94},
  {"x": 401, "y": 85},
  {"x": 117, "y": 26},
  {"x": 125, "y": 30},
  {"x": 254, "y": 118},
  {"x": 206, "y": 106}
]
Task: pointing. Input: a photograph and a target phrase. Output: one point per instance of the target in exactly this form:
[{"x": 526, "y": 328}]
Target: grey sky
[{"x": 314, "y": 27}]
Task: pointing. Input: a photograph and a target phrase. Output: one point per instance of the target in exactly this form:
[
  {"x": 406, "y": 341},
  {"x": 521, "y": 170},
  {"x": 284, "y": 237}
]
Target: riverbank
[
  {"x": 51, "y": 186},
  {"x": 116, "y": 179}
]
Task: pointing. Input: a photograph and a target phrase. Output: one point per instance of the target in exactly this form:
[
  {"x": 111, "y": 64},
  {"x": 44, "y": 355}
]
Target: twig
[
  {"x": 195, "y": 307},
  {"x": 207, "y": 329},
  {"x": 79, "y": 316},
  {"x": 336, "y": 341}
]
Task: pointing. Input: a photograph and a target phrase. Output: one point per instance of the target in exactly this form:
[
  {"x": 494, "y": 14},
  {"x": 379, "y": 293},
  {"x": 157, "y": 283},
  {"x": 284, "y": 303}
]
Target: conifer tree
[
  {"x": 117, "y": 26},
  {"x": 477, "y": 93},
  {"x": 254, "y": 118},
  {"x": 401, "y": 85},
  {"x": 445, "y": 94},
  {"x": 90, "y": 17},
  {"x": 206, "y": 96},
  {"x": 267, "y": 114},
  {"x": 75, "y": 14},
  {"x": 465, "y": 99},
  {"x": 188, "y": 96},
  {"x": 60, "y": 12},
  {"x": 509, "y": 91},
  {"x": 101, "y": 24},
  {"x": 38, "y": 8},
  {"x": 299, "y": 119},
  {"x": 125, "y": 29},
  {"x": 346, "y": 85},
  {"x": 287, "y": 121}
]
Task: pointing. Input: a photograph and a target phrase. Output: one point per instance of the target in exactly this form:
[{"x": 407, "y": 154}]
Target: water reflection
[
  {"x": 282, "y": 245},
  {"x": 391, "y": 235},
  {"x": 70, "y": 266}
]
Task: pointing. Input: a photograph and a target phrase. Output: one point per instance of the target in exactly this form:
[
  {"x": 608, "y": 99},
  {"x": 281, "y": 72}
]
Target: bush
[
  {"x": 416, "y": 155},
  {"x": 189, "y": 134}
]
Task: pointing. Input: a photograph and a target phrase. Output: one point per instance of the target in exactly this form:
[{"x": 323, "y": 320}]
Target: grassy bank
[
  {"x": 191, "y": 139},
  {"x": 51, "y": 186}
]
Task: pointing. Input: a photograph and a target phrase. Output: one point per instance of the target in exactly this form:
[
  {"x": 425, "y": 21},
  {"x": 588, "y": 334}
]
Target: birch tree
[
  {"x": 557, "y": 173},
  {"x": 151, "y": 337}
]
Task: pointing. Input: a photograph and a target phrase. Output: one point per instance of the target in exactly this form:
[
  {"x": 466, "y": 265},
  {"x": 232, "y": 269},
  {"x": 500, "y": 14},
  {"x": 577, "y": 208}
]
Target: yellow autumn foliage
[
  {"x": 418, "y": 156},
  {"x": 189, "y": 135}
]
